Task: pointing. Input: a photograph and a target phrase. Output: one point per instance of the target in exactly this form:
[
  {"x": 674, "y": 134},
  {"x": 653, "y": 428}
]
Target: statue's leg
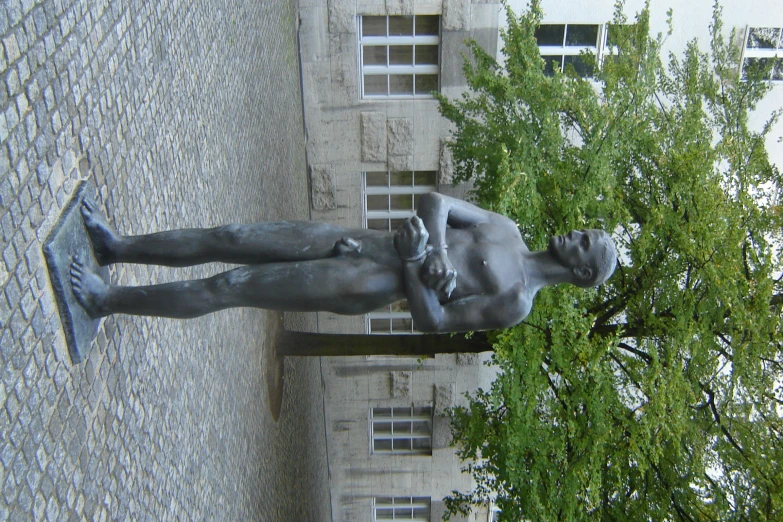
[
  {"x": 241, "y": 244},
  {"x": 342, "y": 285}
]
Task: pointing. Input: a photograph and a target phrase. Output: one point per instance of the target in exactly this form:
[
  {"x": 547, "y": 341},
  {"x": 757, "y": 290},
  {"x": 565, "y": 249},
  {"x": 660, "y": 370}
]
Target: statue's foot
[
  {"x": 90, "y": 290},
  {"x": 105, "y": 241}
]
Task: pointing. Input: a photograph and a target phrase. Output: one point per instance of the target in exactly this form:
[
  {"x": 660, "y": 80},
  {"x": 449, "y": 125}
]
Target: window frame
[
  {"x": 395, "y": 190},
  {"x": 411, "y": 418},
  {"x": 397, "y": 70},
  {"x": 548, "y": 52},
  {"x": 601, "y": 50},
  {"x": 394, "y": 317},
  {"x": 763, "y": 53},
  {"x": 411, "y": 502}
]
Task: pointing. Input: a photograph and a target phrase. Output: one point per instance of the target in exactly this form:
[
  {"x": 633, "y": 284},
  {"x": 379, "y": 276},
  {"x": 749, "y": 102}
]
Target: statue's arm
[
  {"x": 479, "y": 312},
  {"x": 438, "y": 211}
]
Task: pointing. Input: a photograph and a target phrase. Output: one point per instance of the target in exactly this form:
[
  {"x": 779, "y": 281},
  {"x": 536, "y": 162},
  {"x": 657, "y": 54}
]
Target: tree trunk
[{"x": 317, "y": 344}]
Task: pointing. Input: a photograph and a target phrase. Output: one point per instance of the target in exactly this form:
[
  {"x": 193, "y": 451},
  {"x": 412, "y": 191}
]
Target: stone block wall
[{"x": 354, "y": 386}]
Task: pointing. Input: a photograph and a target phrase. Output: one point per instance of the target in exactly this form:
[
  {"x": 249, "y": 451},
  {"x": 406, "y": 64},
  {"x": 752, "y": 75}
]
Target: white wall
[{"x": 691, "y": 19}]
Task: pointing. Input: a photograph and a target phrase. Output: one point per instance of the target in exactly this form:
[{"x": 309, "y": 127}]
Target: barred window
[
  {"x": 399, "y": 56},
  {"x": 392, "y": 197},
  {"x": 402, "y": 508},
  {"x": 406, "y": 430}
]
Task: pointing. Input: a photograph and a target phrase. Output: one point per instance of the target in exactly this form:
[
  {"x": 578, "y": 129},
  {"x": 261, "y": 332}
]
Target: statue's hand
[
  {"x": 438, "y": 273},
  {"x": 347, "y": 246},
  {"x": 410, "y": 240}
]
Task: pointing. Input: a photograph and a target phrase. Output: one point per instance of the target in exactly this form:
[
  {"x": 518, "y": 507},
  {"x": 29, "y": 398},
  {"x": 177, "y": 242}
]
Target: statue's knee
[
  {"x": 226, "y": 289},
  {"x": 236, "y": 277},
  {"x": 228, "y": 234}
]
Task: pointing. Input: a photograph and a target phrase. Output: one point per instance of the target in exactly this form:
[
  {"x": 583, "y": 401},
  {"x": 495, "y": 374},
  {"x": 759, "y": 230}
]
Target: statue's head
[{"x": 590, "y": 255}]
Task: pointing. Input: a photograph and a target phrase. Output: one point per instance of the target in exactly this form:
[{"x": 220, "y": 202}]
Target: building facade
[{"x": 375, "y": 143}]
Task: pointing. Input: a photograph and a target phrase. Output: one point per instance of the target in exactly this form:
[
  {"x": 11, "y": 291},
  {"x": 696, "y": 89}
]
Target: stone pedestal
[{"x": 67, "y": 239}]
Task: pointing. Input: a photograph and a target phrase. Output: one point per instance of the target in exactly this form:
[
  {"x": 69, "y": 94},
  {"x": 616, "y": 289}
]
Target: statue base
[{"x": 67, "y": 239}]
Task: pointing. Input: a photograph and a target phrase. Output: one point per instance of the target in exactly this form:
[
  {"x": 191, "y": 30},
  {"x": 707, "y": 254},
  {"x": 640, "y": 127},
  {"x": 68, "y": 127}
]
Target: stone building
[{"x": 375, "y": 141}]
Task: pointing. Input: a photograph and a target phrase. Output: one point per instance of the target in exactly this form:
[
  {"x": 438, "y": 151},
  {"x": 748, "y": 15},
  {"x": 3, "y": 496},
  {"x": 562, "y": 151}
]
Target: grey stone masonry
[
  {"x": 444, "y": 399},
  {"x": 446, "y": 171},
  {"x": 323, "y": 187},
  {"x": 373, "y": 128},
  {"x": 184, "y": 113},
  {"x": 400, "y": 384},
  {"x": 400, "y": 143}
]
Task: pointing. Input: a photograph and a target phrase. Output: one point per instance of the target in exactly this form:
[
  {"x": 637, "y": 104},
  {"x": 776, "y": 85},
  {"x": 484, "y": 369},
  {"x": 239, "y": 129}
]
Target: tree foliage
[{"x": 657, "y": 396}]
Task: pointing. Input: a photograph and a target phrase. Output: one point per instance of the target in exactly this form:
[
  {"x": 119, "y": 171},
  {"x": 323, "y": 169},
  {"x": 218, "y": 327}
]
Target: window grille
[
  {"x": 406, "y": 430},
  {"x": 764, "y": 49},
  {"x": 561, "y": 44},
  {"x": 392, "y": 197},
  {"x": 402, "y": 508},
  {"x": 399, "y": 56}
]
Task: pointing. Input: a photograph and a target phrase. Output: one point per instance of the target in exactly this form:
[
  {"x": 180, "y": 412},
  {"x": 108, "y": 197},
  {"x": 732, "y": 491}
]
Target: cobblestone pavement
[{"x": 185, "y": 113}]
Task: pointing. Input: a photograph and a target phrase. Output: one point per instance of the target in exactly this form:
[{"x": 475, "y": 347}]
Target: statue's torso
[{"x": 488, "y": 260}]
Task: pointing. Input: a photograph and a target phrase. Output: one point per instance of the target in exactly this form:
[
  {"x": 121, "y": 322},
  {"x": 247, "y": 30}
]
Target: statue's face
[{"x": 579, "y": 250}]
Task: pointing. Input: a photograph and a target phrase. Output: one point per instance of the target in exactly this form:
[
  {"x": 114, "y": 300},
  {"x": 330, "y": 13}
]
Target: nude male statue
[{"x": 461, "y": 267}]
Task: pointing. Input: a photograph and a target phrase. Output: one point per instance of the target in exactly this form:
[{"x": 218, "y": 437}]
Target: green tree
[{"x": 657, "y": 396}]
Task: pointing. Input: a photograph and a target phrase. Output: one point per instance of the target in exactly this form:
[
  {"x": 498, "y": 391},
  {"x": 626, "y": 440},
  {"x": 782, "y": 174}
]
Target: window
[
  {"x": 393, "y": 319},
  {"x": 390, "y": 198},
  {"x": 764, "y": 49},
  {"x": 399, "y": 56},
  {"x": 402, "y": 508},
  {"x": 406, "y": 430},
  {"x": 561, "y": 44}
]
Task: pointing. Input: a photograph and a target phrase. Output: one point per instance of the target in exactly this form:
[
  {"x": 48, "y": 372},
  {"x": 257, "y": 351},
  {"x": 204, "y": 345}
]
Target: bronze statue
[{"x": 460, "y": 267}]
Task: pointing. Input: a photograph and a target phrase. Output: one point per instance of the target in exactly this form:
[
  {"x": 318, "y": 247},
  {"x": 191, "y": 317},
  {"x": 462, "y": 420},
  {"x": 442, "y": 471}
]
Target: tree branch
[
  {"x": 644, "y": 355},
  {"x": 552, "y": 386},
  {"x": 723, "y": 429},
  {"x": 628, "y": 373},
  {"x": 611, "y": 329}
]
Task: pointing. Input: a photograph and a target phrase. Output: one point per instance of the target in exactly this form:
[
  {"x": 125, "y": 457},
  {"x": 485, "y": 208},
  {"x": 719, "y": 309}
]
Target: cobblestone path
[{"x": 185, "y": 113}]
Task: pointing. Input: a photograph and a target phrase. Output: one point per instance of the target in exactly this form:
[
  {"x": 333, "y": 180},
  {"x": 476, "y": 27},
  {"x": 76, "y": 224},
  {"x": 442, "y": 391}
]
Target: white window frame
[
  {"x": 398, "y": 190},
  {"x": 410, "y": 418},
  {"x": 391, "y": 70},
  {"x": 574, "y": 50},
  {"x": 389, "y": 314},
  {"x": 601, "y": 50},
  {"x": 402, "y": 503},
  {"x": 752, "y": 52}
]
